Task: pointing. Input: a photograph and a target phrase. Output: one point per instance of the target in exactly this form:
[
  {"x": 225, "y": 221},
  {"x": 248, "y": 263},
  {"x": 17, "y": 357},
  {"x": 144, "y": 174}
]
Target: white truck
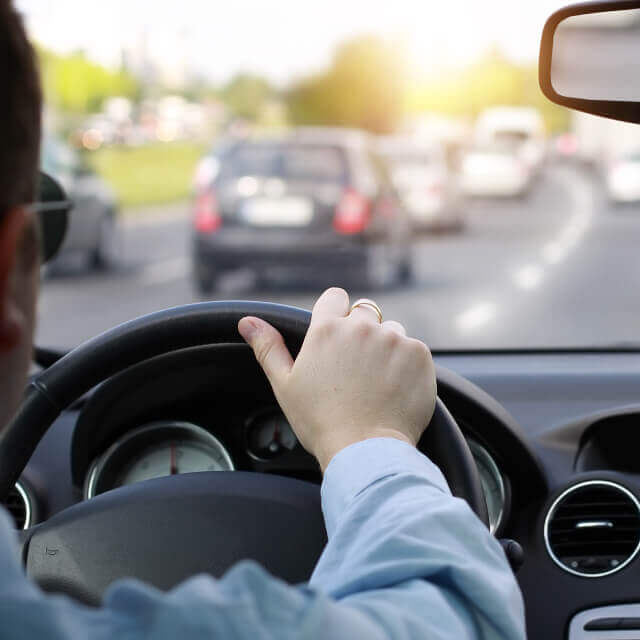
[{"x": 613, "y": 149}]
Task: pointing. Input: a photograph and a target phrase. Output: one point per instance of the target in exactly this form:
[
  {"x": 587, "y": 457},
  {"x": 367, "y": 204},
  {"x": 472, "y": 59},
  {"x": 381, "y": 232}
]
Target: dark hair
[{"x": 20, "y": 112}]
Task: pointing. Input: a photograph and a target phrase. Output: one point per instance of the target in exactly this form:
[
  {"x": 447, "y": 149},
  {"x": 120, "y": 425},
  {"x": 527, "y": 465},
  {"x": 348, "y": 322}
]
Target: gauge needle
[
  {"x": 173, "y": 469},
  {"x": 276, "y": 433},
  {"x": 275, "y": 443}
]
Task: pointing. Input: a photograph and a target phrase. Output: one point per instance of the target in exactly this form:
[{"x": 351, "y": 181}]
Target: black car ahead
[{"x": 314, "y": 203}]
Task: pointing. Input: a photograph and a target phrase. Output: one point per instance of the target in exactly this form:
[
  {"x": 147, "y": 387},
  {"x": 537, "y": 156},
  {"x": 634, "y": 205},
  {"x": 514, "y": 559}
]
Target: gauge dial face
[
  {"x": 156, "y": 450},
  {"x": 269, "y": 435},
  {"x": 171, "y": 458},
  {"x": 492, "y": 484}
]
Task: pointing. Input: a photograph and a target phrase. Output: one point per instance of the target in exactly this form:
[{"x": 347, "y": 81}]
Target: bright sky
[{"x": 284, "y": 38}]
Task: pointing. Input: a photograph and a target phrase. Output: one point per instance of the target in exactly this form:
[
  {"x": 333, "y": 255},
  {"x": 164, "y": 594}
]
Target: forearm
[{"x": 394, "y": 527}]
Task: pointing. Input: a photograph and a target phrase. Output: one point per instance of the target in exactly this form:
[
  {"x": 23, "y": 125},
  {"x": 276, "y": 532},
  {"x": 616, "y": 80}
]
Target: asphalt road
[{"x": 560, "y": 267}]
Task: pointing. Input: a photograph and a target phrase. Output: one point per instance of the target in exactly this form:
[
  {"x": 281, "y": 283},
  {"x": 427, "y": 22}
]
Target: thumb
[{"x": 268, "y": 347}]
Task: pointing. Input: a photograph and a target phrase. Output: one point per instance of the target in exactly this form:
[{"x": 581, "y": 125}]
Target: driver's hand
[{"x": 353, "y": 379}]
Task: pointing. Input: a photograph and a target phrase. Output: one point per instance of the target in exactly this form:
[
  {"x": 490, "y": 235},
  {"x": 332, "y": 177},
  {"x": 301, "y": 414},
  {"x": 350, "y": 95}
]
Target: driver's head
[{"x": 20, "y": 107}]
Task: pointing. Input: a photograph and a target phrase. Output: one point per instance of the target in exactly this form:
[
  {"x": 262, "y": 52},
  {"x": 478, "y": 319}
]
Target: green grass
[{"x": 157, "y": 173}]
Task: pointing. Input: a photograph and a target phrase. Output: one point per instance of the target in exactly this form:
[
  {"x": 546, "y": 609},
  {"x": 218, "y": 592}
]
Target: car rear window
[
  {"x": 410, "y": 158},
  {"x": 496, "y": 147},
  {"x": 289, "y": 162},
  {"x": 511, "y": 137}
]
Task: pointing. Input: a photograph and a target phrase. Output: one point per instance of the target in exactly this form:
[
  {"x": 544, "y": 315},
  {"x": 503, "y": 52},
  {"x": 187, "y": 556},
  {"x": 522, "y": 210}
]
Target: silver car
[
  {"x": 425, "y": 182},
  {"x": 93, "y": 221}
]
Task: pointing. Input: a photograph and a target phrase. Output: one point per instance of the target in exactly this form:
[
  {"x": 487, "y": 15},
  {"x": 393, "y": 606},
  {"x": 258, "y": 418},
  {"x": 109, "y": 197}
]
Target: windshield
[{"x": 267, "y": 150}]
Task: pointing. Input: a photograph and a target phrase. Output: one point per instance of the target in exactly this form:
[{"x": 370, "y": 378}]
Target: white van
[{"x": 521, "y": 127}]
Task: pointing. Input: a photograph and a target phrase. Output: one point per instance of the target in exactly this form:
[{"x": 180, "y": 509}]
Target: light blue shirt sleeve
[{"x": 404, "y": 560}]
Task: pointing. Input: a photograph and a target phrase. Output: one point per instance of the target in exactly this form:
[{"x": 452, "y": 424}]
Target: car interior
[{"x": 157, "y": 449}]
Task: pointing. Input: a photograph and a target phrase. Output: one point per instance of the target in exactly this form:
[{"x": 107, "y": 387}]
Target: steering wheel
[{"x": 167, "y": 529}]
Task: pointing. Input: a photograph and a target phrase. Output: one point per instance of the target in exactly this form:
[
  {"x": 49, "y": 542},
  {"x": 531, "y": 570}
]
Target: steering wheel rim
[{"x": 178, "y": 328}]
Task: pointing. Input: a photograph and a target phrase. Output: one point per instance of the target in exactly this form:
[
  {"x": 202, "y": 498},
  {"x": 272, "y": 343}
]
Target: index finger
[{"x": 333, "y": 303}]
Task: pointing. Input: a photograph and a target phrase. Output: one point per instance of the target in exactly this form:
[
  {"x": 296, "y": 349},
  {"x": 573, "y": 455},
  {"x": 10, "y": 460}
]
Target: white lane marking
[
  {"x": 165, "y": 271},
  {"x": 476, "y": 316},
  {"x": 529, "y": 276},
  {"x": 583, "y": 206},
  {"x": 554, "y": 252}
]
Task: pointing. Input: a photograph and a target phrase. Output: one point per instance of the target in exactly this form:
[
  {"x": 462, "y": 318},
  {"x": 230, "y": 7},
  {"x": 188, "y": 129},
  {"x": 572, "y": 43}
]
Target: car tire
[
  {"x": 205, "y": 280},
  {"x": 455, "y": 224},
  {"x": 379, "y": 271},
  {"x": 405, "y": 272},
  {"x": 105, "y": 255}
]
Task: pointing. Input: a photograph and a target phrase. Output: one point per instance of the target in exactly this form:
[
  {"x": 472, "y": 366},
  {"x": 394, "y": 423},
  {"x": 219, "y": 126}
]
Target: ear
[{"x": 11, "y": 319}]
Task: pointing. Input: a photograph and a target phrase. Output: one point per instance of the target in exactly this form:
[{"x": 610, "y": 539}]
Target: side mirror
[
  {"x": 52, "y": 208},
  {"x": 590, "y": 58},
  {"x": 83, "y": 170}
]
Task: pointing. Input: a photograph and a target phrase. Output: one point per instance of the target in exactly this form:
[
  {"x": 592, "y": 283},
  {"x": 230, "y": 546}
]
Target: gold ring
[{"x": 364, "y": 302}]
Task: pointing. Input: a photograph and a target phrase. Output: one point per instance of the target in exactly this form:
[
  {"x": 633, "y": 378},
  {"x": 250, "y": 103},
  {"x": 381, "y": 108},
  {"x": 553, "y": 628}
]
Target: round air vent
[
  {"x": 18, "y": 504},
  {"x": 593, "y": 528}
]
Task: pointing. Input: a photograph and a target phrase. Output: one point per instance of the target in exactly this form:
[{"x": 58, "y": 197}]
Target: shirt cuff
[{"x": 362, "y": 464}]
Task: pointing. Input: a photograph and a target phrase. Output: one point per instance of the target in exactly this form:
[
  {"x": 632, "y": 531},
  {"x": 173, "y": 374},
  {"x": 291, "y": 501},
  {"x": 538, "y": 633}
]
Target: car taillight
[
  {"x": 207, "y": 218},
  {"x": 352, "y": 213}
]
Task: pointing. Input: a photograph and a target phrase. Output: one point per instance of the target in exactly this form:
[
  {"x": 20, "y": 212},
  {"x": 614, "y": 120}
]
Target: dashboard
[
  {"x": 554, "y": 437},
  {"x": 171, "y": 447},
  {"x": 142, "y": 425}
]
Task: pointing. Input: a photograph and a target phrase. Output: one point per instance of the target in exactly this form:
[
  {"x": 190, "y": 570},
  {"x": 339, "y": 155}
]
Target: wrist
[{"x": 326, "y": 451}]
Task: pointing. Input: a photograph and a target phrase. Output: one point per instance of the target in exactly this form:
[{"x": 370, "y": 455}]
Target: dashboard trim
[
  {"x": 478, "y": 450},
  {"x": 28, "y": 504}
]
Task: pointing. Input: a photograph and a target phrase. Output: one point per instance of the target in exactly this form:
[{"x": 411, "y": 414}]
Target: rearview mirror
[{"x": 590, "y": 58}]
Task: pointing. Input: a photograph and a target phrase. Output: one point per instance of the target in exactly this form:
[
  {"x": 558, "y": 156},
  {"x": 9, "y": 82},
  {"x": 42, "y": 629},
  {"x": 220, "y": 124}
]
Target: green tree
[
  {"x": 364, "y": 87},
  {"x": 246, "y": 95},
  {"x": 492, "y": 80},
  {"x": 76, "y": 85}
]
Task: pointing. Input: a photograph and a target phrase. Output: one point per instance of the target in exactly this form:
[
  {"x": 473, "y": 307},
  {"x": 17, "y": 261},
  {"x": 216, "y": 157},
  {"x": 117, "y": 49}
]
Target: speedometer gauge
[
  {"x": 492, "y": 482},
  {"x": 156, "y": 450}
]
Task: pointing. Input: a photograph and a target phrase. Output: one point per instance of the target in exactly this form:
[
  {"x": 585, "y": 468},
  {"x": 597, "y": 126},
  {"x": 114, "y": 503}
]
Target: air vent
[
  {"x": 593, "y": 528},
  {"x": 18, "y": 505}
]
